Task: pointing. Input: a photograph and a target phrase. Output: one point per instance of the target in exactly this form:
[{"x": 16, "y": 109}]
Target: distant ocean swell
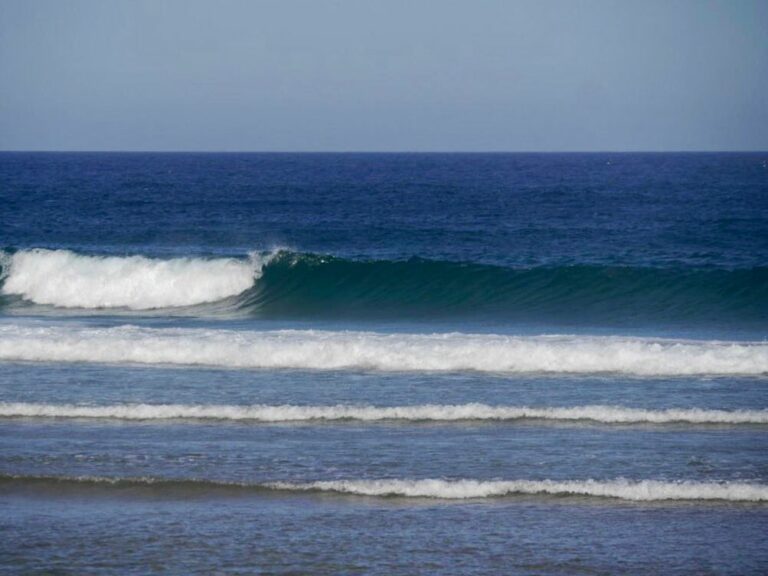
[
  {"x": 285, "y": 284},
  {"x": 428, "y": 413},
  {"x": 334, "y": 350},
  {"x": 622, "y": 489}
]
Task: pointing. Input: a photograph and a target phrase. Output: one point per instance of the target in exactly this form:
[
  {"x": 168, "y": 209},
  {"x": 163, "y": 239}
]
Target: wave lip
[
  {"x": 442, "y": 489},
  {"x": 69, "y": 280},
  {"x": 428, "y": 412},
  {"x": 342, "y": 350}
]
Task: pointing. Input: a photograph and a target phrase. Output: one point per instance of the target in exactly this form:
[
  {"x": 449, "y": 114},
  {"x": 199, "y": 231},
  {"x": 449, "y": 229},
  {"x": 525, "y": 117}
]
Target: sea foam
[
  {"x": 438, "y": 488},
  {"x": 426, "y": 412},
  {"x": 639, "y": 491},
  {"x": 65, "y": 279},
  {"x": 334, "y": 350}
]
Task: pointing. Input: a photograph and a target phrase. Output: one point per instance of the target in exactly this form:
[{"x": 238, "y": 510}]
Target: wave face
[
  {"x": 288, "y": 284},
  {"x": 332, "y": 350},
  {"x": 463, "y": 489},
  {"x": 428, "y": 412},
  {"x": 303, "y": 284},
  {"x": 69, "y": 280}
]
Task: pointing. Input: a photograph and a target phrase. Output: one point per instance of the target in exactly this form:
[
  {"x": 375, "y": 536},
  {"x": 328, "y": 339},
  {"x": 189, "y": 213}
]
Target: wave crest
[
  {"x": 287, "y": 284},
  {"x": 338, "y": 350},
  {"x": 427, "y": 412},
  {"x": 68, "y": 280},
  {"x": 638, "y": 491},
  {"x": 460, "y": 489}
]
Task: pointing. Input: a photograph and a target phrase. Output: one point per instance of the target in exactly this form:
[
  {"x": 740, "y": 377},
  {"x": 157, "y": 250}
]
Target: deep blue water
[
  {"x": 689, "y": 210},
  {"x": 384, "y": 363}
]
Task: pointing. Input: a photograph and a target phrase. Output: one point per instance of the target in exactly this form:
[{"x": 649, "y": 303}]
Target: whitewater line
[
  {"x": 69, "y": 280},
  {"x": 338, "y": 350},
  {"x": 441, "y": 489},
  {"x": 340, "y": 412},
  {"x": 638, "y": 491}
]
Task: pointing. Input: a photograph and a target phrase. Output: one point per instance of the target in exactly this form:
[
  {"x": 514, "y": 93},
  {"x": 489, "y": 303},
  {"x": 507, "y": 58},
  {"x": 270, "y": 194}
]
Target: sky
[{"x": 388, "y": 75}]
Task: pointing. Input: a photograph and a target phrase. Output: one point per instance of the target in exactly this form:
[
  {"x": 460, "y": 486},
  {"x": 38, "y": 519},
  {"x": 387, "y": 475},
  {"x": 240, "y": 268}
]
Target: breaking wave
[
  {"x": 465, "y": 489},
  {"x": 334, "y": 350},
  {"x": 65, "y": 279},
  {"x": 639, "y": 491},
  {"x": 286, "y": 284},
  {"x": 428, "y": 412},
  {"x": 310, "y": 285}
]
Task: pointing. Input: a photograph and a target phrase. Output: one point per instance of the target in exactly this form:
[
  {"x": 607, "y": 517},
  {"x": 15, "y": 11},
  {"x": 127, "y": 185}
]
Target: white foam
[
  {"x": 427, "y": 412},
  {"x": 65, "y": 279},
  {"x": 333, "y": 350},
  {"x": 640, "y": 491},
  {"x": 465, "y": 489}
]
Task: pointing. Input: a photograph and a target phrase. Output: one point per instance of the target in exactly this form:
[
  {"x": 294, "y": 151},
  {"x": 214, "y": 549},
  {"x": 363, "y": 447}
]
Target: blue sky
[{"x": 357, "y": 75}]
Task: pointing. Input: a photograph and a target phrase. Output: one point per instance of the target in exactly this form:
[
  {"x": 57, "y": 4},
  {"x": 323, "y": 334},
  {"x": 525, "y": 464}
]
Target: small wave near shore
[
  {"x": 435, "y": 488},
  {"x": 392, "y": 352},
  {"x": 418, "y": 413}
]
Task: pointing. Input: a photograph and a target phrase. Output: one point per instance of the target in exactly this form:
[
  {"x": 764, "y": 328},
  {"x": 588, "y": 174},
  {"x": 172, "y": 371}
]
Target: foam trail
[
  {"x": 428, "y": 412},
  {"x": 65, "y": 279},
  {"x": 463, "y": 489},
  {"x": 639, "y": 491},
  {"x": 334, "y": 350}
]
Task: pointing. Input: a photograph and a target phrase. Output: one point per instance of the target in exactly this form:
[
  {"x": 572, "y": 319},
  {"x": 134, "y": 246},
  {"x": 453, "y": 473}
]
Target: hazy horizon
[{"x": 372, "y": 76}]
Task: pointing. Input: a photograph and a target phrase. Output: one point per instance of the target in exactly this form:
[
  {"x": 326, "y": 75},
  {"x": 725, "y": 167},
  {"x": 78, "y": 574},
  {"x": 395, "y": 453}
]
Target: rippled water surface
[{"x": 384, "y": 364}]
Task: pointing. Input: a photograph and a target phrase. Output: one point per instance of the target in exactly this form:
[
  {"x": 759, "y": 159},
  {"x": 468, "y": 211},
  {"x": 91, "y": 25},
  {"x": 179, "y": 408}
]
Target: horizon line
[{"x": 196, "y": 151}]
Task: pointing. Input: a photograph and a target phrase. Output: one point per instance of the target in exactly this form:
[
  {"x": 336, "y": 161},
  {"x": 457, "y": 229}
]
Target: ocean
[{"x": 383, "y": 363}]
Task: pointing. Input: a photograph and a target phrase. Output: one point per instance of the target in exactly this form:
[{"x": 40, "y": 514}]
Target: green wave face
[{"x": 301, "y": 285}]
